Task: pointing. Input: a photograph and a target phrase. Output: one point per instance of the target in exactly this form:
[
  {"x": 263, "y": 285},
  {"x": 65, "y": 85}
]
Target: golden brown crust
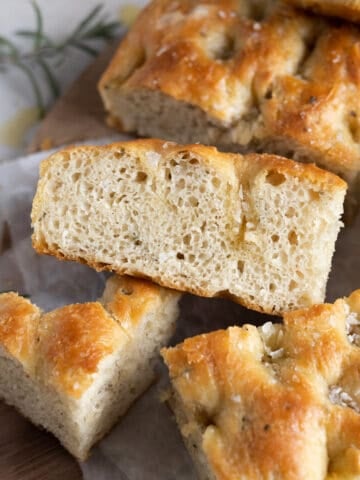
[
  {"x": 145, "y": 296},
  {"x": 65, "y": 347},
  {"x": 18, "y": 323},
  {"x": 347, "y": 9},
  {"x": 277, "y": 402},
  {"x": 73, "y": 340},
  {"x": 232, "y": 66}
]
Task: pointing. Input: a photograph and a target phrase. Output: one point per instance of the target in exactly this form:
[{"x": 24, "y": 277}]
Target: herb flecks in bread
[{"x": 259, "y": 229}]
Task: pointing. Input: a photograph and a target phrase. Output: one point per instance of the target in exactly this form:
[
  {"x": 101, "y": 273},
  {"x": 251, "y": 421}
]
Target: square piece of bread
[
  {"x": 74, "y": 371},
  {"x": 243, "y": 76},
  {"x": 259, "y": 229},
  {"x": 347, "y": 9},
  {"x": 276, "y": 402}
]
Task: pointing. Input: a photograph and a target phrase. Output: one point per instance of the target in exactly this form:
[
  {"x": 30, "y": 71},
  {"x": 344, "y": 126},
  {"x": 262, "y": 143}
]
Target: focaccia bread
[
  {"x": 244, "y": 76},
  {"x": 278, "y": 402},
  {"x": 76, "y": 370},
  {"x": 348, "y": 9},
  {"x": 259, "y": 229}
]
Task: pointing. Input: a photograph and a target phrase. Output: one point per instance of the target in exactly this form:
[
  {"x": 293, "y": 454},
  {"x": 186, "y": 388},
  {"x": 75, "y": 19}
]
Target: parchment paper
[{"x": 145, "y": 444}]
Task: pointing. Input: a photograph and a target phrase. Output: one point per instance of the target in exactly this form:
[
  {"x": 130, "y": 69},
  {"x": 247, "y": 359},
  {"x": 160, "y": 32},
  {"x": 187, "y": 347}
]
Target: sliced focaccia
[
  {"x": 259, "y": 229},
  {"x": 77, "y": 369},
  {"x": 277, "y": 402}
]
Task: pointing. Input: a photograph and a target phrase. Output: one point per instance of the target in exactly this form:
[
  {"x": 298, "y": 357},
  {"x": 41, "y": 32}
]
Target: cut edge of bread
[
  {"x": 32, "y": 385},
  {"x": 228, "y": 201}
]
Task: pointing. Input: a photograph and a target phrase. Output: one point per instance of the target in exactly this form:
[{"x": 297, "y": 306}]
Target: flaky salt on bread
[
  {"x": 245, "y": 76},
  {"x": 347, "y": 9},
  {"x": 76, "y": 370},
  {"x": 257, "y": 228},
  {"x": 279, "y": 401}
]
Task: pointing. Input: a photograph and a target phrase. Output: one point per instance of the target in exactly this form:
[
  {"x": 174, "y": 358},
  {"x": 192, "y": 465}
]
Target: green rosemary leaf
[
  {"x": 85, "y": 48},
  {"x": 53, "y": 84},
  {"x": 86, "y": 22},
  {"x": 102, "y": 31},
  {"x": 39, "y": 25},
  {"x": 45, "y": 40},
  {"x": 11, "y": 47},
  {"x": 94, "y": 27}
]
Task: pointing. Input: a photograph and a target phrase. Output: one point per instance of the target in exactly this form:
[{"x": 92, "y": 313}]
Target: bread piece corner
[
  {"x": 77, "y": 369},
  {"x": 279, "y": 401}
]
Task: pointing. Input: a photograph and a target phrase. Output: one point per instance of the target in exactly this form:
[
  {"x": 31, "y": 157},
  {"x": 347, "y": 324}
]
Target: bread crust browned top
[
  {"x": 65, "y": 347},
  {"x": 348, "y": 9},
  {"x": 281, "y": 403},
  {"x": 287, "y": 82}
]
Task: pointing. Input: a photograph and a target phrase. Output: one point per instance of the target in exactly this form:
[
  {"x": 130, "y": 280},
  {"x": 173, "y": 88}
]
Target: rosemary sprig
[{"x": 46, "y": 54}]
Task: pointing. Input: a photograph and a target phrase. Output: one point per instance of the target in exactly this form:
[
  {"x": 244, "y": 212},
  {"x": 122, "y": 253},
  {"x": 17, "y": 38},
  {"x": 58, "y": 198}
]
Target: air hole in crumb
[
  {"x": 275, "y": 238},
  {"x": 184, "y": 155},
  {"x": 194, "y": 161},
  {"x": 216, "y": 182},
  {"x": 75, "y": 176},
  {"x": 293, "y": 238},
  {"x": 194, "y": 202},
  {"x": 138, "y": 242},
  {"x": 141, "y": 177},
  {"x": 290, "y": 212},
  {"x": 275, "y": 178},
  {"x": 269, "y": 94},
  {"x": 187, "y": 239},
  {"x": 241, "y": 266},
  {"x": 181, "y": 184},
  {"x": 292, "y": 285},
  {"x": 203, "y": 419},
  {"x": 180, "y": 256},
  {"x": 272, "y": 287},
  {"x": 168, "y": 175},
  {"x": 223, "y": 48},
  {"x": 314, "y": 195}
]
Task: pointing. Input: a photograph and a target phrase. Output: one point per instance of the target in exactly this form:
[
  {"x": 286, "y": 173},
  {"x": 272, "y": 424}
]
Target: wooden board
[{"x": 26, "y": 452}]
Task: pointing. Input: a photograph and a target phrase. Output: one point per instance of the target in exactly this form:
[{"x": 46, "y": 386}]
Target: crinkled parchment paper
[{"x": 145, "y": 443}]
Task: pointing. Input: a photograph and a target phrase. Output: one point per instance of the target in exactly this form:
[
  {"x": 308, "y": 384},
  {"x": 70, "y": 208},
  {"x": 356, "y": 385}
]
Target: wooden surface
[{"x": 26, "y": 452}]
